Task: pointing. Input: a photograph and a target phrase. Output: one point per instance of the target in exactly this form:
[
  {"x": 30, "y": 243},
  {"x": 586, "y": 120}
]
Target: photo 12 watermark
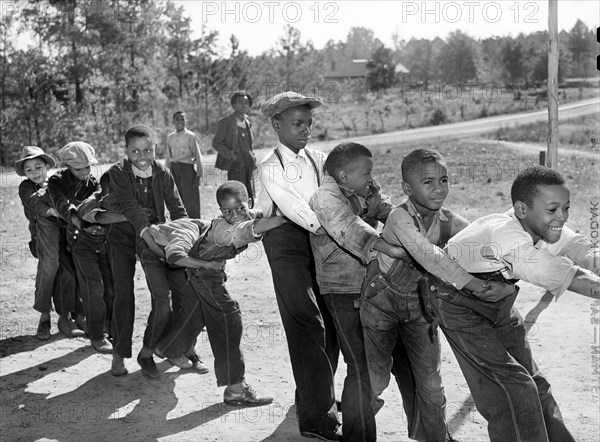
[{"x": 270, "y": 12}]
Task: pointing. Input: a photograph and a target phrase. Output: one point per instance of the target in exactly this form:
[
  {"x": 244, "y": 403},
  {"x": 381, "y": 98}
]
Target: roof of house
[{"x": 355, "y": 69}]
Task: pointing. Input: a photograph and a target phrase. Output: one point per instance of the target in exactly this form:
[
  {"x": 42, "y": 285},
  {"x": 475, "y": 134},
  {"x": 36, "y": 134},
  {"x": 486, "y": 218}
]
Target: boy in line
[
  {"x": 394, "y": 312},
  {"x": 184, "y": 160},
  {"x": 529, "y": 242},
  {"x": 143, "y": 188},
  {"x": 201, "y": 247},
  {"x": 56, "y": 275},
  {"x": 349, "y": 204},
  {"x": 68, "y": 188},
  {"x": 90, "y": 251},
  {"x": 289, "y": 176}
]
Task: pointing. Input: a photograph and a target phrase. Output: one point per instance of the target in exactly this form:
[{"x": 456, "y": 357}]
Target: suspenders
[{"x": 280, "y": 158}]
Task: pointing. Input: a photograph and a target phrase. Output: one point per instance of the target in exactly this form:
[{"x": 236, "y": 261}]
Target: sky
[{"x": 259, "y": 24}]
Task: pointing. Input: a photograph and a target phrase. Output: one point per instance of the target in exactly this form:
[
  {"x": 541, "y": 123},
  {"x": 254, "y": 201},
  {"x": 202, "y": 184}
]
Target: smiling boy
[
  {"x": 529, "y": 242},
  {"x": 56, "y": 279},
  {"x": 394, "y": 311},
  {"x": 144, "y": 188}
]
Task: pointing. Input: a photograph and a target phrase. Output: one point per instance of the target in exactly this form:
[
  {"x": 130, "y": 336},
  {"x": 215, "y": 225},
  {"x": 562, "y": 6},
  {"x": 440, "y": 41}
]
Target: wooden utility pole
[{"x": 552, "y": 151}]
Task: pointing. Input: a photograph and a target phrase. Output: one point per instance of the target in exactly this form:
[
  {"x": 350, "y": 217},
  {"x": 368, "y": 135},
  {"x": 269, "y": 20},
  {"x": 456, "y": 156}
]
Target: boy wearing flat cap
[
  {"x": 56, "y": 278},
  {"x": 68, "y": 188},
  {"x": 289, "y": 176},
  {"x": 233, "y": 142}
]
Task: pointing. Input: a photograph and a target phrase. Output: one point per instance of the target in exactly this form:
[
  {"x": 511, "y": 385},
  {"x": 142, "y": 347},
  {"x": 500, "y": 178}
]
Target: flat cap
[
  {"x": 77, "y": 154},
  {"x": 280, "y": 102}
]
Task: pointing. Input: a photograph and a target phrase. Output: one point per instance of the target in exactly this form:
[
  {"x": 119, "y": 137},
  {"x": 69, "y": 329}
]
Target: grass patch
[{"x": 575, "y": 133}]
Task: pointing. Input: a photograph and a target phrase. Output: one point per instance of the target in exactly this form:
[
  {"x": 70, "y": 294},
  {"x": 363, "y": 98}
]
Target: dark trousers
[
  {"x": 56, "y": 278},
  {"x": 184, "y": 176},
  {"x": 90, "y": 254},
  {"x": 389, "y": 316},
  {"x": 122, "y": 245},
  {"x": 310, "y": 333},
  {"x": 242, "y": 173},
  {"x": 210, "y": 304},
  {"x": 168, "y": 285},
  {"x": 358, "y": 402},
  {"x": 507, "y": 386}
]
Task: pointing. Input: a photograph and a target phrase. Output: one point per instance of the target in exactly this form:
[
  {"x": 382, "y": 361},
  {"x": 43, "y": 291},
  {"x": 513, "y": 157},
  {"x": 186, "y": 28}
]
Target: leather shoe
[
  {"x": 181, "y": 361},
  {"x": 67, "y": 327},
  {"x": 324, "y": 435},
  {"x": 118, "y": 366},
  {"x": 247, "y": 397},
  {"x": 197, "y": 365},
  {"x": 102, "y": 345},
  {"x": 43, "y": 330},
  {"x": 149, "y": 370}
]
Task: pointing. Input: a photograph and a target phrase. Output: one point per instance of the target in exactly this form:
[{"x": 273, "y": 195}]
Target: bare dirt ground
[{"x": 62, "y": 390}]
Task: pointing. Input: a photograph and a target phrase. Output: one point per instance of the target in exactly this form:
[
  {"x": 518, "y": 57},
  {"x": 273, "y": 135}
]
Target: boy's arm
[
  {"x": 125, "y": 194},
  {"x": 106, "y": 217},
  {"x": 263, "y": 225},
  {"x": 64, "y": 208},
  {"x": 195, "y": 147},
  {"x": 218, "y": 142},
  {"x": 171, "y": 195},
  {"x": 156, "y": 249},
  {"x": 32, "y": 200},
  {"x": 289, "y": 202},
  {"x": 243, "y": 233},
  {"x": 586, "y": 283},
  {"x": 581, "y": 251},
  {"x": 400, "y": 229},
  {"x": 348, "y": 230}
]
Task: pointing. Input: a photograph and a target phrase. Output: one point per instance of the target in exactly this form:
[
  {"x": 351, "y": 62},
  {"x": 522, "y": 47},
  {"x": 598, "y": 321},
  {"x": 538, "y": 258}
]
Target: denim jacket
[
  {"x": 350, "y": 221},
  {"x": 122, "y": 182}
]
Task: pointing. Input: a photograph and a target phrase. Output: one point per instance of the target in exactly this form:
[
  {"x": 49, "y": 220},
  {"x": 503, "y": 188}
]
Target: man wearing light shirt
[
  {"x": 184, "y": 160},
  {"x": 289, "y": 176}
]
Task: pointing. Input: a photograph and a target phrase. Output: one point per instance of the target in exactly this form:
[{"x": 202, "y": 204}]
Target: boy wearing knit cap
[{"x": 56, "y": 278}]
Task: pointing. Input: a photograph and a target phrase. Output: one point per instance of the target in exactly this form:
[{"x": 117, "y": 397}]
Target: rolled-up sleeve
[{"x": 237, "y": 235}]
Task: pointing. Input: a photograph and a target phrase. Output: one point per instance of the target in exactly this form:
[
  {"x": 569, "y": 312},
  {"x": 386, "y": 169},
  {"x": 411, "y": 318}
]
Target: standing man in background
[
  {"x": 233, "y": 142},
  {"x": 184, "y": 159}
]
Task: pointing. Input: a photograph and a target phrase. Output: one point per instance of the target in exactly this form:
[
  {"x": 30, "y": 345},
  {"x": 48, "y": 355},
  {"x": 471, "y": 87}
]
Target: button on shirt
[
  {"x": 292, "y": 186},
  {"x": 498, "y": 242}
]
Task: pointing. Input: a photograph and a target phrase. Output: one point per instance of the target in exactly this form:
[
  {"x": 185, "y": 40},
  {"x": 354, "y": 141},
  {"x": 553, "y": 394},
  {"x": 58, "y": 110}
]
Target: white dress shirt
[{"x": 290, "y": 187}]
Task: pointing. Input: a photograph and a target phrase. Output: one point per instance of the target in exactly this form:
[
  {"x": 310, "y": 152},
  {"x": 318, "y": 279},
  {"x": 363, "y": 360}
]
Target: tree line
[{"x": 94, "y": 67}]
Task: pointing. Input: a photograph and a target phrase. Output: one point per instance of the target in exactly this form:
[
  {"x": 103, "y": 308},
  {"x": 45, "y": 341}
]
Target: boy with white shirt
[
  {"x": 532, "y": 243},
  {"x": 290, "y": 174}
]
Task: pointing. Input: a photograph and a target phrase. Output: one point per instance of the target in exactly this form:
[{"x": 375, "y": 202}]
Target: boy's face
[
  {"x": 179, "y": 121},
  {"x": 234, "y": 209},
  {"x": 241, "y": 105},
  {"x": 427, "y": 187},
  {"x": 547, "y": 214},
  {"x": 293, "y": 127},
  {"x": 357, "y": 176},
  {"x": 140, "y": 151},
  {"x": 82, "y": 173},
  {"x": 36, "y": 170}
]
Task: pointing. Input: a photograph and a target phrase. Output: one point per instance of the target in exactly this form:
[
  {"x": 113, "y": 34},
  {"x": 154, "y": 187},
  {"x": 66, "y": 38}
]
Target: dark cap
[{"x": 286, "y": 100}]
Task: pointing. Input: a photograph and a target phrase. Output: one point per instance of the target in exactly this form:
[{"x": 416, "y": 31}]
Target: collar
[
  {"x": 288, "y": 154},
  {"x": 141, "y": 173},
  {"x": 413, "y": 211}
]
